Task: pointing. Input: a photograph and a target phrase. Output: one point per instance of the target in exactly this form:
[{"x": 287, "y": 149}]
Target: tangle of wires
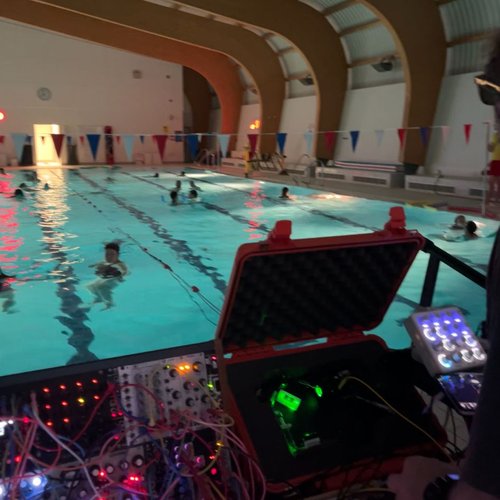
[{"x": 180, "y": 455}]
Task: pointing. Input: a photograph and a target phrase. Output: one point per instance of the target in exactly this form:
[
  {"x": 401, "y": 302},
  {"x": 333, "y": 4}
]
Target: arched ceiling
[{"x": 314, "y": 41}]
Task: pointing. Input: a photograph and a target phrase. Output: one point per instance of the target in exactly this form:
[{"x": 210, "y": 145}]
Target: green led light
[
  {"x": 288, "y": 400},
  {"x": 210, "y": 385},
  {"x": 319, "y": 391}
]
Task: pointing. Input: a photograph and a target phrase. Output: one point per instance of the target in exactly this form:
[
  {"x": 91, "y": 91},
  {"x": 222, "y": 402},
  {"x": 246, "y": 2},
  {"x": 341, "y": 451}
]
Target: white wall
[
  {"x": 459, "y": 104},
  {"x": 367, "y": 110},
  {"x": 91, "y": 86}
]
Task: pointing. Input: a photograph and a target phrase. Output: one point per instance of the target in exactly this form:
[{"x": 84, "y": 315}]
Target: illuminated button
[
  {"x": 470, "y": 341},
  {"x": 138, "y": 460},
  {"x": 197, "y": 366},
  {"x": 466, "y": 356},
  {"x": 447, "y": 363},
  {"x": 476, "y": 352},
  {"x": 109, "y": 468},
  {"x": 456, "y": 357},
  {"x": 448, "y": 345},
  {"x": 428, "y": 334},
  {"x": 124, "y": 465}
]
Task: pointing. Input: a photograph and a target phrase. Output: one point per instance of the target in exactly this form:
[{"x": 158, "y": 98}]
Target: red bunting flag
[
  {"x": 58, "y": 140},
  {"x": 82, "y": 140},
  {"x": 117, "y": 137},
  {"x": 160, "y": 142},
  {"x": 252, "y": 139},
  {"x": 402, "y": 136},
  {"x": 329, "y": 140},
  {"x": 467, "y": 129}
]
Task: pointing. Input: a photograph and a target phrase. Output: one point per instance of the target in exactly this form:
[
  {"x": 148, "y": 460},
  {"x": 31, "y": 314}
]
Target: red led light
[
  {"x": 134, "y": 479},
  {"x": 26, "y": 420},
  {"x": 79, "y": 384},
  {"x": 49, "y": 423},
  {"x": 66, "y": 420},
  {"x": 62, "y": 387},
  {"x": 113, "y": 414},
  {"x": 3, "y": 116},
  {"x": 17, "y": 459},
  {"x": 213, "y": 471},
  {"x": 48, "y": 407},
  {"x": 46, "y": 389},
  {"x": 95, "y": 381},
  {"x": 96, "y": 397},
  {"x": 64, "y": 403},
  {"x": 102, "y": 473}
]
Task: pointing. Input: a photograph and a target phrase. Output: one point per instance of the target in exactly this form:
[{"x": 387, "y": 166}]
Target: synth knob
[{"x": 138, "y": 460}]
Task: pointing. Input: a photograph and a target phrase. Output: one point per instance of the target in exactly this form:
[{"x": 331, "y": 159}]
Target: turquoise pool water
[{"x": 50, "y": 239}]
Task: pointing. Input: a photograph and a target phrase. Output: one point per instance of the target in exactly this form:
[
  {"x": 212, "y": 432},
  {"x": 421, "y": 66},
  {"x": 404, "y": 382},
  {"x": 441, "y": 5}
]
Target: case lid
[{"x": 284, "y": 290}]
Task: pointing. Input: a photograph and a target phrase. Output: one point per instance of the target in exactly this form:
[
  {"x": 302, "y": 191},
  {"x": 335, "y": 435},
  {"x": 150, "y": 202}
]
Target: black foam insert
[{"x": 300, "y": 293}]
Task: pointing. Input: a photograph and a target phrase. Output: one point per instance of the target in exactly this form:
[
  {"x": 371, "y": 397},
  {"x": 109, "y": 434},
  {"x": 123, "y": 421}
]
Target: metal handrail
[{"x": 436, "y": 256}]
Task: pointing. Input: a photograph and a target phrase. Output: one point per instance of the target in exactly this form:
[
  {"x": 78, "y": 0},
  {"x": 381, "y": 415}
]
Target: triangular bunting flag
[
  {"x": 19, "y": 140},
  {"x": 402, "y": 136},
  {"x": 308, "y": 136},
  {"x": 329, "y": 140},
  {"x": 424, "y": 135},
  {"x": 445, "y": 132},
  {"x": 42, "y": 138},
  {"x": 128, "y": 144},
  {"x": 58, "y": 140},
  {"x": 192, "y": 142},
  {"x": 281, "y": 139},
  {"x": 2, "y": 138},
  {"x": 354, "y": 138},
  {"x": 141, "y": 138},
  {"x": 252, "y": 139},
  {"x": 223, "y": 143},
  {"x": 467, "y": 129},
  {"x": 94, "y": 143},
  {"x": 117, "y": 137},
  {"x": 160, "y": 140},
  {"x": 379, "y": 135},
  {"x": 82, "y": 140}
]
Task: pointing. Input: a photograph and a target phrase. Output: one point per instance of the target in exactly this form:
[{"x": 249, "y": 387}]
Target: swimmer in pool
[
  {"x": 192, "y": 185},
  {"x": 110, "y": 272},
  {"x": 178, "y": 185},
  {"x": 18, "y": 194},
  {"x": 174, "y": 197},
  {"x": 193, "y": 195},
  {"x": 284, "y": 194},
  {"x": 470, "y": 230},
  {"x": 6, "y": 292},
  {"x": 459, "y": 223}
]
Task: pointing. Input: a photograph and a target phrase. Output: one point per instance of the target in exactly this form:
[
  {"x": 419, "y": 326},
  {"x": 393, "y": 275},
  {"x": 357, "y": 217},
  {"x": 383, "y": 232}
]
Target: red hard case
[{"x": 294, "y": 306}]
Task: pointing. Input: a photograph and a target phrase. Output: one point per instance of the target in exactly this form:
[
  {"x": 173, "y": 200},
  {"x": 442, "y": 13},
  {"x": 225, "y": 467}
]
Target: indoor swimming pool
[{"x": 179, "y": 258}]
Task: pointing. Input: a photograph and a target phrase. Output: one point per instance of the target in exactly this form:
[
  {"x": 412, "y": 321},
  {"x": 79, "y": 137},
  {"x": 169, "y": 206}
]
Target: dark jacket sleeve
[{"x": 482, "y": 467}]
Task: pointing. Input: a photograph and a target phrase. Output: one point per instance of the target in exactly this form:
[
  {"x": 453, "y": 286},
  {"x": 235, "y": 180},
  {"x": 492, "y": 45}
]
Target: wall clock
[{"x": 44, "y": 93}]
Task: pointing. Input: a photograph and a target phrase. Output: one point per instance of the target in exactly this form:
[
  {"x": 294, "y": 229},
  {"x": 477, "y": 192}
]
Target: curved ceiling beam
[
  {"x": 218, "y": 69},
  {"x": 311, "y": 34},
  {"x": 418, "y": 31},
  {"x": 245, "y": 47}
]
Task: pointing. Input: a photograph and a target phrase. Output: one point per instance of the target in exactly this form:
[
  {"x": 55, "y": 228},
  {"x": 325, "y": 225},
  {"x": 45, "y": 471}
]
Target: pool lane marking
[
  {"x": 208, "y": 206},
  {"x": 82, "y": 336},
  {"x": 190, "y": 289},
  {"x": 180, "y": 247},
  {"x": 314, "y": 211}
]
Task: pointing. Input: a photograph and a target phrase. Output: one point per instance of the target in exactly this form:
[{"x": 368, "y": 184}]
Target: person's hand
[{"x": 417, "y": 473}]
